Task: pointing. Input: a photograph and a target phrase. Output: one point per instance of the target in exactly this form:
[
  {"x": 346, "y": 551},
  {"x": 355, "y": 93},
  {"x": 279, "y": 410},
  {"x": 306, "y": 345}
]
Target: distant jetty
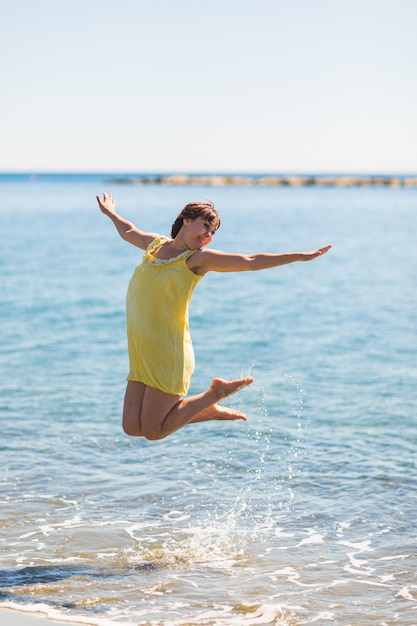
[{"x": 222, "y": 180}]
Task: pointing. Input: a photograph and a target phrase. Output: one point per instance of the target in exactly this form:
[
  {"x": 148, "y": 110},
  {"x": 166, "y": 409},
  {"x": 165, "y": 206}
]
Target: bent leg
[
  {"x": 132, "y": 408},
  {"x": 162, "y": 414}
]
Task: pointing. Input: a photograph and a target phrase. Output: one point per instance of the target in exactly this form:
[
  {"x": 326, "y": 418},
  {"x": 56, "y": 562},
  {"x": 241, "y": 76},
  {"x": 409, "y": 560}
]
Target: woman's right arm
[{"x": 127, "y": 230}]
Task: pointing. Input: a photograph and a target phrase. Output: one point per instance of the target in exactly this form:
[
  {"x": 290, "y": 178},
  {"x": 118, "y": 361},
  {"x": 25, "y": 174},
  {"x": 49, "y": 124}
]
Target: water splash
[{"x": 273, "y": 446}]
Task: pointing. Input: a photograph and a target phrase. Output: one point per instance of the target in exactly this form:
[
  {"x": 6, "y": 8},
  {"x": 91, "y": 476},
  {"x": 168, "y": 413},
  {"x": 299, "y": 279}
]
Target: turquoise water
[{"x": 304, "y": 514}]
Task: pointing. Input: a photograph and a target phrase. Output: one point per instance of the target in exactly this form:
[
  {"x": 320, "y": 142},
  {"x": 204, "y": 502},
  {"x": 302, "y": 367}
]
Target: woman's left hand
[{"x": 309, "y": 256}]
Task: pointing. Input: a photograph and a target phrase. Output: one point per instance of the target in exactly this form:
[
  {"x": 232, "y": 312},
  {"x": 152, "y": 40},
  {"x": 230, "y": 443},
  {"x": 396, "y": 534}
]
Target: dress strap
[{"x": 156, "y": 243}]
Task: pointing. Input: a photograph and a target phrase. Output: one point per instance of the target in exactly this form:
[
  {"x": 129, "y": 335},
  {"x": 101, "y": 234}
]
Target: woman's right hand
[{"x": 107, "y": 204}]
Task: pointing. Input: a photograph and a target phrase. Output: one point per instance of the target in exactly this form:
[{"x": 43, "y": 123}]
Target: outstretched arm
[
  {"x": 206, "y": 260},
  {"x": 127, "y": 230}
]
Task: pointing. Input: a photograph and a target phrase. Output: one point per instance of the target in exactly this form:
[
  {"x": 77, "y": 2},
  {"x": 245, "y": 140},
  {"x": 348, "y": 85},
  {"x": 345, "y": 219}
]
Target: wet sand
[{"x": 21, "y": 618}]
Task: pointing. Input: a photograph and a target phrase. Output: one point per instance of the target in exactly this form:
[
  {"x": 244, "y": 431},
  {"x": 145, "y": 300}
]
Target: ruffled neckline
[{"x": 149, "y": 257}]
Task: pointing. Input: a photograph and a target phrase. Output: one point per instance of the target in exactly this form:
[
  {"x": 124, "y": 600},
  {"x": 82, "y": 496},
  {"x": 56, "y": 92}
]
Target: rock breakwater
[{"x": 221, "y": 180}]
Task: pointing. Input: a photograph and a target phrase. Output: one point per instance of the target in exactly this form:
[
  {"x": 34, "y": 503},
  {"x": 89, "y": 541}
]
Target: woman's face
[{"x": 200, "y": 231}]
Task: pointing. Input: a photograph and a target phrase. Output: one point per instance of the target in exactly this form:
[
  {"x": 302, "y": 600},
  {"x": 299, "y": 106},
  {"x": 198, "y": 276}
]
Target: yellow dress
[{"x": 161, "y": 353}]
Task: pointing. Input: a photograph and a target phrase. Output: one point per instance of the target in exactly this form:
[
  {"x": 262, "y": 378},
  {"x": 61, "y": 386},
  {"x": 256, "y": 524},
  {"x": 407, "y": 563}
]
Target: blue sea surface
[{"x": 306, "y": 513}]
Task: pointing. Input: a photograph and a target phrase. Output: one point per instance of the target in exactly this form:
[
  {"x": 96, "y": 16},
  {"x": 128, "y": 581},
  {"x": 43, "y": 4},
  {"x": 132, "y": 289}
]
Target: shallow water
[{"x": 303, "y": 514}]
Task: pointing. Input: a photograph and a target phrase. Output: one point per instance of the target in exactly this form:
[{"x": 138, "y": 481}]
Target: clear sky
[{"x": 219, "y": 86}]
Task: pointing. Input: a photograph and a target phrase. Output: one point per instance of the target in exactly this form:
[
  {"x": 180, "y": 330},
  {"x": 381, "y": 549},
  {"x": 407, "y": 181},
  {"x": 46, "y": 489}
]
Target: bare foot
[
  {"x": 217, "y": 412},
  {"x": 226, "y": 413},
  {"x": 223, "y": 388}
]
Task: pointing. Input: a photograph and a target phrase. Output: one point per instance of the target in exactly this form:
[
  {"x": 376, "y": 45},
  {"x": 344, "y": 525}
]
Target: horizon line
[{"x": 222, "y": 172}]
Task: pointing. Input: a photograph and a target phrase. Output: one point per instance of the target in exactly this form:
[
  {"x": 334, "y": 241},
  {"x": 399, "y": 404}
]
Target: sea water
[{"x": 306, "y": 513}]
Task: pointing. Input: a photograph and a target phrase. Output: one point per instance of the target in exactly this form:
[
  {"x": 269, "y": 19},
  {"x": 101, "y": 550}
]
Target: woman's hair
[{"x": 192, "y": 210}]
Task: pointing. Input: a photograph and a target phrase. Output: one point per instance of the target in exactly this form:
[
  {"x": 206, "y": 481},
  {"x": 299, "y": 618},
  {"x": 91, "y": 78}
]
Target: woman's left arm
[{"x": 206, "y": 260}]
